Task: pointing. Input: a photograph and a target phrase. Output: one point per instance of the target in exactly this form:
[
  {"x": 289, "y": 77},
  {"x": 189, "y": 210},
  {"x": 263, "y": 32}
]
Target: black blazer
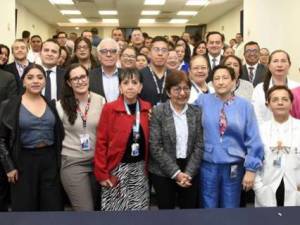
[
  {"x": 209, "y": 78},
  {"x": 259, "y": 75},
  {"x": 8, "y": 85},
  {"x": 13, "y": 69},
  {"x": 96, "y": 81}
]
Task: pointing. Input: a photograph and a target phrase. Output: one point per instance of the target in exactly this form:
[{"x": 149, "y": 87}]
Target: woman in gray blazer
[{"x": 176, "y": 146}]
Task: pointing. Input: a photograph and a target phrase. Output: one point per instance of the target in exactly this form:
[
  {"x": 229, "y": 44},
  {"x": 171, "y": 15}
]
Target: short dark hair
[
  {"x": 129, "y": 73},
  {"x": 229, "y": 69},
  {"x": 36, "y": 36},
  {"x": 62, "y": 32},
  {"x": 160, "y": 38},
  {"x": 25, "y": 34},
  {"x": 279, "y": 87},
  {"x": 175, "y": 78},
  {"x": 215, "y": 32},
  {"x": 251, "y": 43}
]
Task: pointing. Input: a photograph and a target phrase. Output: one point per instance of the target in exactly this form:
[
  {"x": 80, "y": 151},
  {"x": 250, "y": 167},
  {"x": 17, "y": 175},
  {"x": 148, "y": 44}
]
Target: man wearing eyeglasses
[
  {"x": 253, "y": 71},
  {"x": 105, "y": 79},
  {"x": 154, "y": 75}
]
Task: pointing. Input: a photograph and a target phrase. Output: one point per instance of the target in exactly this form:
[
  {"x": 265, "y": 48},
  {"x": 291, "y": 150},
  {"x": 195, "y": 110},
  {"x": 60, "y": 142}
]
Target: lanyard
[
  {"x": 136, "y": 126},
  {"x": 86, "y": 110},
  {"x": 198, "y": 90},
  {"x": 287, "y": 145},
  {"x": 159, "y": 91}
]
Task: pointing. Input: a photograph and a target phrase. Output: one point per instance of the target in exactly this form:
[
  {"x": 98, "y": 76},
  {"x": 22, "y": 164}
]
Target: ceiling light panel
[
  {"x": 179, "y": 21},
  {"x": 70, "y": 12},
  {"x": 154, "y": 2},
  {"x": 187, "y": 13},
  {"x": 61, "y": 2},
  {"x": 108, "y": 12},
  {"x": 197, "y": 2},
  {"x": 150, "y": 12},
  {"x": 78, "y": 20},
  {"x": 144, "y": 21},
  {"x": 110, "y": 21}
]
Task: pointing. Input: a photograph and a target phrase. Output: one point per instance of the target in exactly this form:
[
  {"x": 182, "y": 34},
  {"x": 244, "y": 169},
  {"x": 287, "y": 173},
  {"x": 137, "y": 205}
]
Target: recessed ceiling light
[
  {"x": 70, "y": 12},
  {"x": 110, "y": 21},
  {"x": 61, "y": 2},
  {"x": 108, "y": 12},
  {"x": 154, "y": 2},
  {"x": 187, "y": 13},
  {"x": 143, "y": 21},
  {"x": 197, "y": 2},
  {"x": 150, "y": 12},
  {"x": 76, "y": 28},
  {"x": 78, "y": 20},
  {"x": 178, "y": 21}
]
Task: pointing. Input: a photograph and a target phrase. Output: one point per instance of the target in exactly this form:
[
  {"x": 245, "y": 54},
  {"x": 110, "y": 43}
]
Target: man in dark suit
[
  {"x": 19, "y": 51},
  {"x": 253, "y": 71},
  {"x": 104, "y": 80},
  {"x": 8, "y": 88},
  {"x": 54, "y": 76},
  {"x": 214, "y": 45}
]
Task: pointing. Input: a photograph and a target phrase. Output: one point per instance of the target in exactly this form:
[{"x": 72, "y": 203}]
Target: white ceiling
[{"x": 129, "y": 11}]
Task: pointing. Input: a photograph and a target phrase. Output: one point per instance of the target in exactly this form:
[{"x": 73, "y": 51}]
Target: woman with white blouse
[{"x": 278, "y": 182}]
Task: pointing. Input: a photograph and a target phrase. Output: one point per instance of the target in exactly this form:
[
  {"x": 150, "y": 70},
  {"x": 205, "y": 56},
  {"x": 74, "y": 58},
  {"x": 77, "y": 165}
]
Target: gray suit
[
  {"x": 259, "y": 75},
  {"x": 163, "y": 141}
]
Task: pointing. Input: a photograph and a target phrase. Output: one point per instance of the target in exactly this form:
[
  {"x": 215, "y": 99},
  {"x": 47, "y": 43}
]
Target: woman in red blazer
[{"x": 122, "y": 148}]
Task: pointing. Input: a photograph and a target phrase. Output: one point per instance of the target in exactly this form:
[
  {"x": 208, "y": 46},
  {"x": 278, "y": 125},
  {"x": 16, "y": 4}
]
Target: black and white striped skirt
[{"x": 132, "y": 191}]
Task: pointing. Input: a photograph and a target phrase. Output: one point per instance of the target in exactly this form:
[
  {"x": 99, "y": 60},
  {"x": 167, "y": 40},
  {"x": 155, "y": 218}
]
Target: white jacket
[{"x": 268, "y": 179}]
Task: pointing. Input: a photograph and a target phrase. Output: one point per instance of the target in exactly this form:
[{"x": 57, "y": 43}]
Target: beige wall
[
  {"x": 7, "y": 25},
  {"x": 228, "y": 24},
  {"x": 34, "y": 24},
  {"x": 275, "y": 25}
]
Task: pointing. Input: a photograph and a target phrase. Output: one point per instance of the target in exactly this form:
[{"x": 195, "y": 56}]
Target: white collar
[{"x": 179, "y": 113}]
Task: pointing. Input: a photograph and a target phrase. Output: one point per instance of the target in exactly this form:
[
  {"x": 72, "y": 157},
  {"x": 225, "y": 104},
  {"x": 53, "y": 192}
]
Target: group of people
[{"x": 113, "y": 121}]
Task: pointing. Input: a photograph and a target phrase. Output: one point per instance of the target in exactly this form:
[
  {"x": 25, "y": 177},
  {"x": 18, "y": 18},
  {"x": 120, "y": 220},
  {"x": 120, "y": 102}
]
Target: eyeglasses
[
  {"x": 82, "y": 78},
  {"x": 177, "y": 90},
  {"x": 162, "y": 50},
  {"x": 110, "y": 51},
  {"x": 129, "y": 56}
]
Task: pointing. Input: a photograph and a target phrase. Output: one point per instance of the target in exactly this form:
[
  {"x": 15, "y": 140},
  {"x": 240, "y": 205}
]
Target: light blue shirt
[
  {"x": 111, "y": 85},
  {"x": 241, "y": 140}
]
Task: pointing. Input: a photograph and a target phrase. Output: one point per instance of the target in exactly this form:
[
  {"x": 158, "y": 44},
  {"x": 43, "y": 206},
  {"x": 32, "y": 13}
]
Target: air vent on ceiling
[
  {"x": 93, "y": 19},
  {"x": 84, "y": 1}
]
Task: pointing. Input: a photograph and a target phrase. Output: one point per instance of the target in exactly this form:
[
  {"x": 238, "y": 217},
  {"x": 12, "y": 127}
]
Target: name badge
[
  {"x": 135, "y": 149},
  {"x": 85, "y": 142}
]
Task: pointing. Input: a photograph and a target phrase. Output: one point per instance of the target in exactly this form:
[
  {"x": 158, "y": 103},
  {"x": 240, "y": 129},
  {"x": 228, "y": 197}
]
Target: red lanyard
[{"x": 86, "y": 110}]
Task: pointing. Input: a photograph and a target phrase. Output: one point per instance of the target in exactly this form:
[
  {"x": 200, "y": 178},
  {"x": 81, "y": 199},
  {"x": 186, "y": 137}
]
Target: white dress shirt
[
  {"x": 53, "y": 82},
  {"x": 111, "y": 85},
  {"x": 218, "y": 60}
]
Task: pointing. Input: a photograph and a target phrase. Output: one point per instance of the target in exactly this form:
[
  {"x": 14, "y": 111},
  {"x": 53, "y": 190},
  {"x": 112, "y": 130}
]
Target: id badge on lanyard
[
  {"x": 85, "y": 140},
  {"x": 135, "y": 147}
]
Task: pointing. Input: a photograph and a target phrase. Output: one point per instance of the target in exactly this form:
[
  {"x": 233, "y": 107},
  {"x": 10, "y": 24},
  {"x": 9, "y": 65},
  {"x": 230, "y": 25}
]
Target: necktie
[
  {"x": 214, "y": 60},
  {"x": 251, "y": 75},
  {"x": 48, "y": 86}
]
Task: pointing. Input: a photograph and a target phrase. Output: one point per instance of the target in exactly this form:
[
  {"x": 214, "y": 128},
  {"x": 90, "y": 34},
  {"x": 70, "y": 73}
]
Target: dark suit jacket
[
  {"x": 163, "y": 141},
  {"x": 13, "y": 69},
  {"x": 60, "y": 74},
  {"x": 259, "y": 75},
  {"x": 96, "y": 81},
  {"x": 8, "y": 85},
  {"x": 209, "y": 78}
]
